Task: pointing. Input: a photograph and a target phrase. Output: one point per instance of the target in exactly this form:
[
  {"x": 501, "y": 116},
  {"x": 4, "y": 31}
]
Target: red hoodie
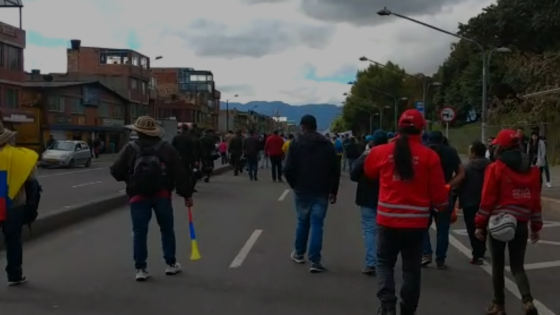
[{"x": 273, "y": 146}]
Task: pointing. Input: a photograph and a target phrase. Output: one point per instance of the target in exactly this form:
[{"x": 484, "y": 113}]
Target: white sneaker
[
  {"x": 142, "y": 275},
  {"x": 173, "y": 269},
  {"x": 549, "y": 185}
]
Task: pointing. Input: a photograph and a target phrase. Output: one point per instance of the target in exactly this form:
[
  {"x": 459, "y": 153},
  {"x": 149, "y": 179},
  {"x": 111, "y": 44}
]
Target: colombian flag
[{"x": 5, "y": 200}]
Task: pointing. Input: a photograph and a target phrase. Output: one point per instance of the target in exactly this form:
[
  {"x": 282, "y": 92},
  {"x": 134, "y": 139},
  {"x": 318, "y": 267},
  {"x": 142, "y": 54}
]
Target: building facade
[
  {"x": 189, "y": 95},
  {"x": 12, "y": 77},
  {"x": 124, "y": 70},
  {"x": 77, "y": 111}
]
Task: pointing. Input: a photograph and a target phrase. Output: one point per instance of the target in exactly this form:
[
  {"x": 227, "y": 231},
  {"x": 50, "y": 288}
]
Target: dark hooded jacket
[
  {"x": 176, "y": 177},
  {"x": 312, "y": 166},
  {"x": 367, "y": 191},
  {"x": 470, "y": 190}
]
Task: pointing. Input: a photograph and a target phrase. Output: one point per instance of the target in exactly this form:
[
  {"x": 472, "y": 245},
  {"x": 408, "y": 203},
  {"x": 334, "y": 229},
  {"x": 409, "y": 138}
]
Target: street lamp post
[
  {"x": 371, "y": 113},
  {"x": 393, "y": 97},
  {"x": 387, "y": 12},
  {"x": 425, "y": 83},
  {"x": 227, "y": 112}
]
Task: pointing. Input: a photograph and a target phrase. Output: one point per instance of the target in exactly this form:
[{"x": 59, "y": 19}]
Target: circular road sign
[{"x": 447, "y": 114}]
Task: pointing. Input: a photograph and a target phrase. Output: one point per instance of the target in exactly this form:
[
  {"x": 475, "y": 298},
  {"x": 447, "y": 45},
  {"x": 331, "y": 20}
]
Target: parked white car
[{"x": 67, "y": 153}]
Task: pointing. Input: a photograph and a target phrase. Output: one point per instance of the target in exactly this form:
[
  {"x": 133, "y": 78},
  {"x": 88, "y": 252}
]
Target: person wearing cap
[
  {"x": 453, "y": 174},
  {"x": 404, "y": 167},
  {"x": 18, "y": 184},
  {"x": 313, "y": 172},
  {"x": 511, "y": 187},
  {"x": 172, "y": 175},
  {"x": 273, "y": 149}
]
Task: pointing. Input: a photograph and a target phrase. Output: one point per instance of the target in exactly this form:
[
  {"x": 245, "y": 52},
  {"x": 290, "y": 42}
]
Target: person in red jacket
[
  {"x": 273, "y": 148},
  {"x": 511, "y": 186},
  {"x": 411, "y": 183}
]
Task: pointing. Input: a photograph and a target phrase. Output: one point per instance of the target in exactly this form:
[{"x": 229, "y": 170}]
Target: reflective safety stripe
[
  {"x": 486, "y": 213},
  {"x": 403, "y": 207},
  {"x": 536, "y": 217},
  {"x": 403, "y": 215},
  {"x": 514, "y": 210}
]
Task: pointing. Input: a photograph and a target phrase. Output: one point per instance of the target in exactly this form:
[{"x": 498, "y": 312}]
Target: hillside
[{"x": 324, "y": 113}]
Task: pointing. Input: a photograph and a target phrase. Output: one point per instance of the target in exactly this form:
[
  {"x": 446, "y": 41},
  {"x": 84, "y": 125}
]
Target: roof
[{"x": 59, "y": 84}]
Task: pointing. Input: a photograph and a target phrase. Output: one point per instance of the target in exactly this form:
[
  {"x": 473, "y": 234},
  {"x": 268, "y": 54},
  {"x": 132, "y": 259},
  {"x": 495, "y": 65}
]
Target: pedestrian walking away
[
  {"x": 367, "y": 197},
  {"x": 273, "y": 149},
  {"x": 208, "y": 153},
  {"x": 236, "y": 151},
  {"x": 189, "y": 150},
  {"x": 152, "y": 168},
  {"x": 251, "y": 151},
  {"x": 313, "y": 173},
  {"x": 352, "y": 152},
  {"x": 19, "y": 201},
  {"x": 509, "y": 214},
  {"x": 404, "y": 165},
  {"x": 453, "y": 173},
  {"x": 223, "y": 148},
  {"x": 469, "y": 195}
]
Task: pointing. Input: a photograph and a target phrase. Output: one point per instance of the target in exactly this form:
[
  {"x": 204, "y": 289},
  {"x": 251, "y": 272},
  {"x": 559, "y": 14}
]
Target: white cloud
[{"x": 162, "y": 25}]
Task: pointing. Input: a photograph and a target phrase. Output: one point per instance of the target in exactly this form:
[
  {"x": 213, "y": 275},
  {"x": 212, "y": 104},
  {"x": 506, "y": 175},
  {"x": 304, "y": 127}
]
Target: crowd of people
[{"x": 404, "y": 182}]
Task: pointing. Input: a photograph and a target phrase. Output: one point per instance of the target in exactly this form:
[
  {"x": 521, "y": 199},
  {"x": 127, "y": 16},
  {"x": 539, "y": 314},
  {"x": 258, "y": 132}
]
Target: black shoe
[
  {"x": 194, "y": 190},
  {"x": 441, "y": 265},
  {"x": 206, "y": 180},
  {"x": 250, "y": 177},
  {"x": 426, "y": 260},
  {"x": 280, "y": 180},
  {"x": 369, "y": 271},
  {"x": 255, "y": 178},
  {"x": 15, "y": 282},
  {"x": 235, "y": 174},
  {"x": 477, "y": 261},
  {"x": 317, "y": 268}
]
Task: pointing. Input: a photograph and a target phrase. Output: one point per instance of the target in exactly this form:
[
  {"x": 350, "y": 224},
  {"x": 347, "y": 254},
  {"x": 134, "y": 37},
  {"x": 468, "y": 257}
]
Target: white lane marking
[
  {"x": 283, "y": 195},
  {"x": 510, "y": 285},
  {"x": 72, "y": 172},
  {"x": 87, "y": 184},
  {"x": 240, "y": 258},
  {"x": 540, "y": 265}
]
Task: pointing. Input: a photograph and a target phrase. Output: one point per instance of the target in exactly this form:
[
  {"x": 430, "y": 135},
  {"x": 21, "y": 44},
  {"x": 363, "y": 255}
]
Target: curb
[{"x": 70, "y": 215}]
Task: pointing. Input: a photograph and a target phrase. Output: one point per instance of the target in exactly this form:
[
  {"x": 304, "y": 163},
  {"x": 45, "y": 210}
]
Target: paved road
[{"x": 87, "y": 269}]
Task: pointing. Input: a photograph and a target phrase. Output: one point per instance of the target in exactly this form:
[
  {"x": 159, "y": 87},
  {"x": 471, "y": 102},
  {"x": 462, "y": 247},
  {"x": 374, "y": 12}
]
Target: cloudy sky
[{"x": 296, "y": 51}]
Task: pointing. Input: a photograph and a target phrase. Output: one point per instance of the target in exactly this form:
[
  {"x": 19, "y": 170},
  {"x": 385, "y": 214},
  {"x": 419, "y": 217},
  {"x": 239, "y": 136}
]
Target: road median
[{"x": 55, "y": 220}]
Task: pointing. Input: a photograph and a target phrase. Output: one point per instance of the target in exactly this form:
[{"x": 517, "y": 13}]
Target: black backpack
[{"x": 149, "y": 171}]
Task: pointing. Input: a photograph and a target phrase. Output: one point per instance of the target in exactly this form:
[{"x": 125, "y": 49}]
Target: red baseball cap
[
  {"x": 507, "y": 138},
  {"x": 412, "y": 118}
]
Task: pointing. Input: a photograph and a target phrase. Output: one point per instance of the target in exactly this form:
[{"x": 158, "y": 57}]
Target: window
[
  {"x": 143, "y": 88},
  {"x": 113, "y": 57},
  {"x": 144, "y": 62},
  {"x": 133, "y": 84},
  {"x": 209, "y": 78},
  {"x": 133, "y": 110},
  {"x": 103, "y": 110},
  {"x": 56, "y": 103},
  {"x": 2, "y": 54},
  {"x": 118, "y": 111},
  {"x": 11, "y": 98},
  {"x": 77, "y": 106},
  {"x": 13, "y": 57},
  {"x": 210, "y": 88},
  {"x": 198, "y": 78},
  {"x": 135, "y": 60}
]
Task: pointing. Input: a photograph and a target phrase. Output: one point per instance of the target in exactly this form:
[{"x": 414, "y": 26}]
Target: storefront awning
[{"x": 16, "y": 115}]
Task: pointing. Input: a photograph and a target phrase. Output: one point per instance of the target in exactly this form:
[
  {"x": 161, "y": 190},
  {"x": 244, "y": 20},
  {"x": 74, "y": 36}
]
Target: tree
[
  {"x": 373, "y": 95},
  {"x": 338, "y": 125}
]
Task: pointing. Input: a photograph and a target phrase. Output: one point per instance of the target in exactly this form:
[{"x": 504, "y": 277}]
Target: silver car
[{"x": 68, "y": 153}]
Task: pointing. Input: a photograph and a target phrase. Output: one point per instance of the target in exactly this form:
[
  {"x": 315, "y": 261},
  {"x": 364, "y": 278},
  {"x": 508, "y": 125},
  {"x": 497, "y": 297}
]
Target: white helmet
[{"x": 502, "y": 227}]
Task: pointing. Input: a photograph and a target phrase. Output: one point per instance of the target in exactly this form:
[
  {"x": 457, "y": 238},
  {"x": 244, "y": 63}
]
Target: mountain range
[{"x": 324, "y": 113}]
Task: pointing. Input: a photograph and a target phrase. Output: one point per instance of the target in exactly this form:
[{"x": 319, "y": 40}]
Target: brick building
[
  {"x": 77, "y": 111},
  {"x": 124, "y": 70},
  {"x": 189, "y": 95}
]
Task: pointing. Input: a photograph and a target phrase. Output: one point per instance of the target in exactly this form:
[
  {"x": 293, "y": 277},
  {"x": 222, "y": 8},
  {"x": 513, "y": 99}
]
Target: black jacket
[
  {"x": 251, "y": 145},
  {"x": 353, "y": 151},
  {"x": 188, "y": 147},
  {"x": 312, "y": 166},
  {"x": 367, "y": 192},
  {"x": 208, "y": 146},
  {"x": 236, "y": 144},
  {"x": 470, "y": 190},
  {"x": 176, "y": 177}
]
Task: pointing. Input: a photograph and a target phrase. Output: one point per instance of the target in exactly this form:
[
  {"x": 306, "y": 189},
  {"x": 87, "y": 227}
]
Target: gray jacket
[{"x": 541, "y": 153}]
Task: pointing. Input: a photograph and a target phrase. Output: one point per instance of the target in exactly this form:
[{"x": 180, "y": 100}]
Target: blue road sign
[{"x": 419, "y": 105}]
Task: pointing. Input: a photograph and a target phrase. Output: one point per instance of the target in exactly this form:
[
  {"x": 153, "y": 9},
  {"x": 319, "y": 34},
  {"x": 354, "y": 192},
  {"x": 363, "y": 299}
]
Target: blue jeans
[
  {"x": 12, "y": 228},
  {"x": 311, "y": 212},
  {"x": 443, "y": 224},
  {"x": 252, "y": 165},
  {"x": 350, "y": 164},
  {"x": 141, "y": 213},
  {"x": 369, "y": 233}
]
